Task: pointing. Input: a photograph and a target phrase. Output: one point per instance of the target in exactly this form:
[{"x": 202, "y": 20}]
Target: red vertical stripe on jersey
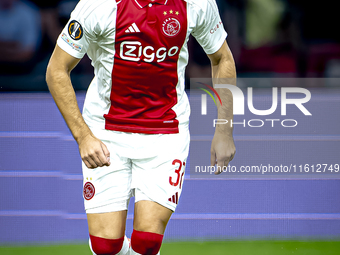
[{"x": 144, "y": 76}]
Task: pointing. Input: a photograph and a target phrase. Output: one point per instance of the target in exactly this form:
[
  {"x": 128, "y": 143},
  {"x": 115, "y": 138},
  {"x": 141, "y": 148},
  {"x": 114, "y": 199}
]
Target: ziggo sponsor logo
[{"x": 135, "y": 51}]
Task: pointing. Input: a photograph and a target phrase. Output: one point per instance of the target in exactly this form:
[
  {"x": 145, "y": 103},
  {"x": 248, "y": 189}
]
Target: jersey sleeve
[
  {"x": 73, "y": 38},
  {"x": 87, "y": 22},
  {"x": 209, "y": 30}
]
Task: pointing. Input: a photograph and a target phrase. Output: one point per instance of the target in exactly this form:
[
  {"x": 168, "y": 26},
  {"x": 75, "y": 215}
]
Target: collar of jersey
[{"x": 143, "y": 3}]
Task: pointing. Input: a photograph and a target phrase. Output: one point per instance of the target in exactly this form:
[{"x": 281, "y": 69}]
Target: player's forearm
[
  {"x": 224, "y": 72},
  {"x": 59, "y": 84}
]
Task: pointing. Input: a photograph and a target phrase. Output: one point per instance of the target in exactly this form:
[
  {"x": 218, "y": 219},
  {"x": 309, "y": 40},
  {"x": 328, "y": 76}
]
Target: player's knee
[
  {"x": 146, "y": 243},
  {"x": 102, "y": 246}
]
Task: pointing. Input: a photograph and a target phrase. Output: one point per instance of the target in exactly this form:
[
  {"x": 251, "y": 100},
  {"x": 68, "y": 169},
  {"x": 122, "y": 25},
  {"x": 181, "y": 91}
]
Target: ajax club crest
[
  {"x": 88, "y": 190},
  {"x": 171, "y": 26}
]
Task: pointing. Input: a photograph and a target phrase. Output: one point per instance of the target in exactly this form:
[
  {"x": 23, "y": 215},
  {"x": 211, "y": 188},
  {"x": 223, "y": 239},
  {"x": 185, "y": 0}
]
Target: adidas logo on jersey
[
  {"x": 174, "y": 198},
  {"x": 132, "y": 29}
]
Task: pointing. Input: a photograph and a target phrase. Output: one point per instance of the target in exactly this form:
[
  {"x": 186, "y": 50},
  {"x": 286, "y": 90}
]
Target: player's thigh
[
  {"x": 158, "y": 181},
  {"x": 150, "y": 216},
  {"x": 159, "y": 178},
  {"x": 107, "y": 191},
  {"x": 110, "y": 225}
]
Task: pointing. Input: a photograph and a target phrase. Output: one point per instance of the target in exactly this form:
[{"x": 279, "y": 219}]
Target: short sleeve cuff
[
  {"x": 70, "y": 47},
  {"x": 217, "y": 45}
]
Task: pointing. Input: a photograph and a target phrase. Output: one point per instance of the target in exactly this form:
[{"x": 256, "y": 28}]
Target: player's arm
[
  {"x": 92, "y": 151},
  {"x": 223, "y": 72}
]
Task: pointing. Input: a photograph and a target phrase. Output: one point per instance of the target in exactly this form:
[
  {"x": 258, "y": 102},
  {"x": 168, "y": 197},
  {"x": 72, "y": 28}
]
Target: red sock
[
  {"x": 146, "y": 243},
  {"x": 103, "y": 246}
]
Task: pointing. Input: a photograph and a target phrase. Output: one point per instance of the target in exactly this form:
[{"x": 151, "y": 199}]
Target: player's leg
[
  {"x": 107, "y": 233},
  {"x": 107, "y": 191},
  {"x": 106, "y": 215},
  {"x": 149, "y": 224},
  {"x": 158, "y": 181}
]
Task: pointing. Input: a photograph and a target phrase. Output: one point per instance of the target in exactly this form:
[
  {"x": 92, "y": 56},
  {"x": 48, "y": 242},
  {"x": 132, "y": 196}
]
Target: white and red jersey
[{"x": 139, "y": 52}]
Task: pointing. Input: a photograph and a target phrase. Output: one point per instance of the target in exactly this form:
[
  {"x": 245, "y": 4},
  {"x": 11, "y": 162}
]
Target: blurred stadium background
[{"x": 40, "y": 171}]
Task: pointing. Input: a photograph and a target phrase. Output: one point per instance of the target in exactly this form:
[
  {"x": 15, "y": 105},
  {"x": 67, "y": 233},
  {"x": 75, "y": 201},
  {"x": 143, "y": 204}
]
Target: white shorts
[{"x": 148, "y": 166}]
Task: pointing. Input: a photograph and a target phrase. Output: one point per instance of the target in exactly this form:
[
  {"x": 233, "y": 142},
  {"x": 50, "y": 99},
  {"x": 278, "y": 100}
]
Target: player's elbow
[
  {"x": 50, "y": 74},
  {"x": 231, "y": 67},
  {"x": 54, "y": 74}
]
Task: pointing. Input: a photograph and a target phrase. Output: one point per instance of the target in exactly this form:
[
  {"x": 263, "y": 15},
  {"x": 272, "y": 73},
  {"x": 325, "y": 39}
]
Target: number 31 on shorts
[{"x": 178, "y": 178}]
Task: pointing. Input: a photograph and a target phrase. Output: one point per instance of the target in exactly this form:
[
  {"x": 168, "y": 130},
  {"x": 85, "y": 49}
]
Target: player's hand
[
  {"x": 93, "y": 152},
  {"x": 222, "y": 151}
]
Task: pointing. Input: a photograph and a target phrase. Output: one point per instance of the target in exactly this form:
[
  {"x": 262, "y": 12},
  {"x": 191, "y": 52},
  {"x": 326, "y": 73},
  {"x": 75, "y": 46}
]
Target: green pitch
[{"x": 198, "y": 248}]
